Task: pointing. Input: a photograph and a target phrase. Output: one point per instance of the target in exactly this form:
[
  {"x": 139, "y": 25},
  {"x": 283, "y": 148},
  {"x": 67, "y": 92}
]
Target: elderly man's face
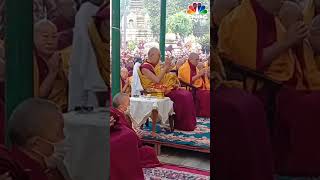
[
  {"x": 124, "y": 74},
  {"x": 154, "y": 57},
  {"x": 46, "y": 39},
  {"x": 194, "y": 59},
  {"x": 125, "y": 104}
]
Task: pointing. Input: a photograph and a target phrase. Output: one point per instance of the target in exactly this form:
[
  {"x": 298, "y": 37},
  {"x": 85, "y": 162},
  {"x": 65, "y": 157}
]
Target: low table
[{"x": 141, "y": 108}]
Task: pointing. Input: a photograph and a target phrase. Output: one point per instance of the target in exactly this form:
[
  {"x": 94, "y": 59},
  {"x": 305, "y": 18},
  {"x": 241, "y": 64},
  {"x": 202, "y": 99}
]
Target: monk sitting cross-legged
[
  {"x": 151, "y": 74},
  {"x": 284, "y": 55},
  {"x": 50, "y": 80},
  {"x": 125, "y": 165},
  {"x": 190, "y": 74}
]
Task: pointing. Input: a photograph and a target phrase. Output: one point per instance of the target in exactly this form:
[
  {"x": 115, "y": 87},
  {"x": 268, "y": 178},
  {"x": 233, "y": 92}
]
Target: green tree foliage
[
  {"x": 180, "y": 23},
  {"x": 131, "y": 45},
  {"x": 173, "y": 7}
]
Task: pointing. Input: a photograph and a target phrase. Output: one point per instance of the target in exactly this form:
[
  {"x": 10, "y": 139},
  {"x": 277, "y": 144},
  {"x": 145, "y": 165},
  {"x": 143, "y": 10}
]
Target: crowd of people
[
  {"x": 276, "y": 42},
  {"x": 145, "y": 72}
]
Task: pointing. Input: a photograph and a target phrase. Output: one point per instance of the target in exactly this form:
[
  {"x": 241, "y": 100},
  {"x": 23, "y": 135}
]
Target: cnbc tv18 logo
[{"x": 197, "y": 8}]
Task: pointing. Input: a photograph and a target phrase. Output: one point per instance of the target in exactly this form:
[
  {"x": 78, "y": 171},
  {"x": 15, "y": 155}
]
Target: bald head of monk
[
  {"x": 121, "y": 101},
  {"x": 271, "y": 6},
  {"x": 194, "y": 59},
  {"x": 45, "y": 37},
  {"x": 124, "y": 73},
  {"x": 221, "y": 8},
  {"x": 315, "y": 35},
  {"x": 154, "y": 55},
  {"x": 35, "y": 126},
  {"x": 290, "y": 13}
]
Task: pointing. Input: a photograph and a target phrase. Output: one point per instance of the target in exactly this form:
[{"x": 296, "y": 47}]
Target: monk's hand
[
  {"x": 5, "y": 176},
  {"x": 202, "y": 72},
  {"x": 54, "y": 63},
  {"x": 296, "y": 33}
]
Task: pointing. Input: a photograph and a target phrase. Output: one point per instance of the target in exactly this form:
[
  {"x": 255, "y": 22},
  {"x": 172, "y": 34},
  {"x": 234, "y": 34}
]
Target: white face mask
[{"x": 60, "y": 150}]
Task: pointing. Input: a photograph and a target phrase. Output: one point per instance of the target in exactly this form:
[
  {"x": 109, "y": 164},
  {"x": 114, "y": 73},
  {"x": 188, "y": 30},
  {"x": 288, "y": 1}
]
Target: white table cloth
[
  {"x": 87, "y": 134},
  {"x": 141, "y": 109}
]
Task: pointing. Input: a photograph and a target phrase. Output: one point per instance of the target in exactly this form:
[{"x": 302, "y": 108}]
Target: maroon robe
[
  {"x": 202, "y": 96},
  {"x": 8, "y": 164},
  {"x": 65, "y": 32},
  {"x": 147, "y": 155},
  {"x": 296, "y": 127},
  {"x": 183, "y": 105},
  {"x": 32, "y": 168},
  {"x": 241, "y": 140}
]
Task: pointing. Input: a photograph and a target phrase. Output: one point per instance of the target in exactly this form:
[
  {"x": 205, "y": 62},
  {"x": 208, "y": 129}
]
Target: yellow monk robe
[
  {"x": 102, "y": 53},
  {"x": 122, "y": 84},
  {"x": 309, "y": 11},
  {"x": 183, "y": 101},
  {"x": 59, "y": 91},
  {"x": 231, "y": 46},
  {"x": 298, "y": 113},
  {"x": 170, "y": 80},
  {"x": 186, "y": 72}
]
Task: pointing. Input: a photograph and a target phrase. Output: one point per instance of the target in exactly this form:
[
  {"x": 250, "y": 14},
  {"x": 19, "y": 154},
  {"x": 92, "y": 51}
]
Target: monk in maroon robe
[
  {"x": 9, "y": 168},
  {"x": 33, "y": 139},
  {"x": 147, "y": 155},
  {"x": 281, "y": 55},
  {"x": 151, "y": 74},
  {"x": 241, "y": 144}
]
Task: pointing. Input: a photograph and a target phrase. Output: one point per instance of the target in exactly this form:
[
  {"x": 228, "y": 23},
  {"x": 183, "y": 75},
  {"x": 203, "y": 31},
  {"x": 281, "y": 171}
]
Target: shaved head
[
  {"x": 124, "y": 73},
  {"x": 221, "y": 8},
  {"x": 121, "y": 101},
  {"x": 194, "y": 58},
  {"x": 315, "y": 35},
  {"x": 290, "y": 13},
  {"x": 45, "y": 37},
  {"x": 35, "y": 118}
]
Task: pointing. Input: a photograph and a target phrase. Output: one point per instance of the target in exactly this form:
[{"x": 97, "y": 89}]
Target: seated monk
[
  {"x": 241, "y": 139},
  {"x": 125, "y": 81},
  {"x": 151, "y": 74},
  {"x": 50, "y": 81},
  {"x": 35, "y": 141},
  {"x": 190, "y": 74},
  {"x": 285, "y": 56},
  {"x": 314, "y": 39},
  {"x": 124, "y": 137}
]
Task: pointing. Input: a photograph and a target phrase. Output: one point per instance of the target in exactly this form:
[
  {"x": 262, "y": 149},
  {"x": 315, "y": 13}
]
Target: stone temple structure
[{"x": 135, "y": 23}]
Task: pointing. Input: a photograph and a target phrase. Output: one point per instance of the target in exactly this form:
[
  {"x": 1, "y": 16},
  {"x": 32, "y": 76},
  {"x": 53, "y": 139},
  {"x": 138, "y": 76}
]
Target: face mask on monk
[{"x": 58, "y": 151}]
